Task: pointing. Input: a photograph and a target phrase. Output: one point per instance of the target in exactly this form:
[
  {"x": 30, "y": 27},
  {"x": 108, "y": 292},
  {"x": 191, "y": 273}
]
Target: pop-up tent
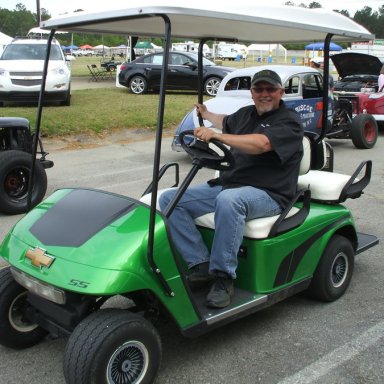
[
  {"x": 4, "y": 40},
  {"x": 320, "y": 47}
]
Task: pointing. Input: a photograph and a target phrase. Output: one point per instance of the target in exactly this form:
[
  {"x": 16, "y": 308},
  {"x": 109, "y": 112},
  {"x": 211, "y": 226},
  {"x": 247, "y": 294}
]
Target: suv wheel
[{"x": 67, "y": 101}]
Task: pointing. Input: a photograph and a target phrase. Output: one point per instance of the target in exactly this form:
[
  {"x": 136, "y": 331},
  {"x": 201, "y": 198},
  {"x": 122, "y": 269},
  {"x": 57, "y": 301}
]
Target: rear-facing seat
[{"x": 332, "y": 187}]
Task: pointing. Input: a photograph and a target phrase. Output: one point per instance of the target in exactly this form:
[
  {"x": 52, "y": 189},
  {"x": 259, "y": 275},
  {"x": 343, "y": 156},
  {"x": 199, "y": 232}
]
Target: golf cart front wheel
[
  {"x": 14, "y": 179},
  {"x": 16, "y": 331},
  {"x": 334, "y": 272},
  {"x": 112, "y": 346}
]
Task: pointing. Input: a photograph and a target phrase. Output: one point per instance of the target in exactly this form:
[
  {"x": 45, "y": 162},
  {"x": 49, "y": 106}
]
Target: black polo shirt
[{"x": 276, "y": 171}]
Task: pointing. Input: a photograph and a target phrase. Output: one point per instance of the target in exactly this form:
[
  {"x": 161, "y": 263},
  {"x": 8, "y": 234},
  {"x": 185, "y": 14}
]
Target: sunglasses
[{"x": 262, "y": 89}]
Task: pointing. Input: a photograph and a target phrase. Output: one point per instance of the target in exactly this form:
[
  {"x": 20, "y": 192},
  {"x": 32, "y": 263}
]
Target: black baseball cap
[{"x": 267, "y": 75}]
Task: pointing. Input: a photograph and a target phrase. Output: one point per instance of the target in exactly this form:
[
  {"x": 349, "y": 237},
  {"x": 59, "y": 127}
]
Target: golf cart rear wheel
[
  {"x": 364, "y": 131},
  {"x": 112, "y": 346},
  {"x": 16, "y": 331},
  {"x": 334, "y": 272},
  {"x": 14, "y": 179}
]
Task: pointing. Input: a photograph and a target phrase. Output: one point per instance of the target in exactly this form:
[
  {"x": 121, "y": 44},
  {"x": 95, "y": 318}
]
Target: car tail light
[
  {"x": 123, "y": 67},
  {"x": 319, "y": 107}
]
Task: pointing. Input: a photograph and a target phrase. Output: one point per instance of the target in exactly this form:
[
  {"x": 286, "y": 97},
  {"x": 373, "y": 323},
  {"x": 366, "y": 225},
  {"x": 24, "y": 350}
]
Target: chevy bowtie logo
[{"x": 39, "y": 257}]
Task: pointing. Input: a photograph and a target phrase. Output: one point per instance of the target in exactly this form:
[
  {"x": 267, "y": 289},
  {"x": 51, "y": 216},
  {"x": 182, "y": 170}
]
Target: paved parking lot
[{"x": 294, "y": 342}]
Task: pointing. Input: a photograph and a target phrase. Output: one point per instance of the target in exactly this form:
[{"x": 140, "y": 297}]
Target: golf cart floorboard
[
  {"x": 241, "y": 301},
  {"x": 365, "y": 241},
  {"x": 242, "y": 304}
]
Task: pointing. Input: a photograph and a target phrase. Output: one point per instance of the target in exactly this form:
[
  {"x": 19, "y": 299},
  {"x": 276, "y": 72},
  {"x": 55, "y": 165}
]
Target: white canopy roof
[{"x": 258, "y": 23}]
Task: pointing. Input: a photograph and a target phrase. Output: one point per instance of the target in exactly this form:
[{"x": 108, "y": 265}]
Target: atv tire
[
  {"x": 15, "y": 329},
  {"x": 14, "y": 179},
  {"x": 112, "y": 346},
  {"x": 364, "y": 131}
]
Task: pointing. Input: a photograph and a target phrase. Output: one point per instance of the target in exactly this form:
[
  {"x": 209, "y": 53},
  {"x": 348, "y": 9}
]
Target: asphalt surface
[{"x": 297, "y": 341}]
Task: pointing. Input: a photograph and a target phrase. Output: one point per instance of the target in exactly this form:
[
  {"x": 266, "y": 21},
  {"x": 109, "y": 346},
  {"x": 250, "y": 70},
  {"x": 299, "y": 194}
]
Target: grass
[
  {"x": 104, "y": 109},
  {"x": 100, "y": 110}
]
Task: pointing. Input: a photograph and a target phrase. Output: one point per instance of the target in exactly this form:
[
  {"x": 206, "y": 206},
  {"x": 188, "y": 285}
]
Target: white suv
[{"x": 21, "y": 70}]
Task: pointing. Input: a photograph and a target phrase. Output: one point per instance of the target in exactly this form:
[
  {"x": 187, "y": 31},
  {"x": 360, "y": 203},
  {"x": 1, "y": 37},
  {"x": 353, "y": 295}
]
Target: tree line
[{"x": 19, "y": 21}]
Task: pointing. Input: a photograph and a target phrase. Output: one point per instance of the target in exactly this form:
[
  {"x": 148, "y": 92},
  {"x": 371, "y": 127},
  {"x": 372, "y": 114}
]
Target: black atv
[{"x": 16, "y": 163}]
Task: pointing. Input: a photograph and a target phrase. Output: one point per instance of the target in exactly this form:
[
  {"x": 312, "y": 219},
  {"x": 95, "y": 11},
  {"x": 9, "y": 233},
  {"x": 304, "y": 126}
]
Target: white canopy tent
[
  {"x": 4, "y": 40},
  {"x": 262, "y": 51}
]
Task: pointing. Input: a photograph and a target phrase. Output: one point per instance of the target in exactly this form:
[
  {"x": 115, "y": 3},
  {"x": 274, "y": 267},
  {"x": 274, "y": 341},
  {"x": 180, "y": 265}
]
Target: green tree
[{"x": 314, "y": 4}]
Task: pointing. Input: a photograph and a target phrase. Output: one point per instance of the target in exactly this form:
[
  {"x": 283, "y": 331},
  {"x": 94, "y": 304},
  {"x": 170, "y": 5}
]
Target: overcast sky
[{"x": 55, "y": 7}]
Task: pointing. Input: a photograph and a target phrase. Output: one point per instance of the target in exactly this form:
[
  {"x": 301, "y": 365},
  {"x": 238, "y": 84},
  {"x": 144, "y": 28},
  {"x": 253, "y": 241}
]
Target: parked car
[
  {"x": 143, "y": 74},
  {"x": 16, "y": 141},
  {"x": 21, "y": 70},
  {"x": 303, "y": 88},
  {"x": 357, "y": 87}
]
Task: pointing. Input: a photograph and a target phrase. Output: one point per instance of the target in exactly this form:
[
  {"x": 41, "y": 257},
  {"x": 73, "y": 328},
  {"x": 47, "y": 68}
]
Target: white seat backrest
[{"x": 305, "y": 163}]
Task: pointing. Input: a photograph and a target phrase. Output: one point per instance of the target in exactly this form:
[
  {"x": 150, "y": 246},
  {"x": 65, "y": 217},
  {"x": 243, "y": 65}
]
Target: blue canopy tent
[{"x": 320, "y": 47}]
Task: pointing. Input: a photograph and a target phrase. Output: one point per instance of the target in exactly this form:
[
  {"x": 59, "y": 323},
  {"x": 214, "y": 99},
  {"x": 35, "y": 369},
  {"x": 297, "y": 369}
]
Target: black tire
[
  {"x": 334, "y": 272},
  {"x": 112, "y": 344},
  {"x": 67, "y": 101},
  {"x": 364, "y": 131},
  {"x": 138, "y": 85},
  {"x": 14, "y": 177},
  {"x": 15, "y": 330},
  {"x": 211, "y": 86}
]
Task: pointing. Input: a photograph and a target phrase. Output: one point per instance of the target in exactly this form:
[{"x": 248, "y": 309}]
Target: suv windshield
[{"x": 30, "y": 52}]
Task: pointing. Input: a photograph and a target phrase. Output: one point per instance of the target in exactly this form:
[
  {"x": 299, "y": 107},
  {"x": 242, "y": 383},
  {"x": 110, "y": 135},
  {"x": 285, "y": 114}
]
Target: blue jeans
[{"x": 232, "y": 207}]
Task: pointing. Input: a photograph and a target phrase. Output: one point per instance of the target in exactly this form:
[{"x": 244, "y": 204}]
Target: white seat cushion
[
  {"x": 255, "y": 229},
  {"x": 324, "y": 186}
]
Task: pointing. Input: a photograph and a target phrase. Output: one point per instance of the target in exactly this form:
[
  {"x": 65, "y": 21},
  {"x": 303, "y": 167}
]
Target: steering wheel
[{"x": 204, "y": 155}]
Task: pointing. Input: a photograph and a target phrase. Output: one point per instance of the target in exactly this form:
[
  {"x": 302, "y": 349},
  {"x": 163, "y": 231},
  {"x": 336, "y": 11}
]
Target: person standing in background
[{"x": 381, "y": 80}]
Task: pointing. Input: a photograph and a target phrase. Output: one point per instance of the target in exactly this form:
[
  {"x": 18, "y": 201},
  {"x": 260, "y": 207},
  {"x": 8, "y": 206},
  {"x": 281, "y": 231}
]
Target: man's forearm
[{"x": 215, "y": 118}]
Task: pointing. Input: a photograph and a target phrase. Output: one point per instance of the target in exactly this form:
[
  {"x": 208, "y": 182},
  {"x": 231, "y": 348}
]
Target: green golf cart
[{"x": 81, "y": 247}]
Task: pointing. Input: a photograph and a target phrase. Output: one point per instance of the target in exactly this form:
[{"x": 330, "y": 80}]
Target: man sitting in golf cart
[{"x": 266, "y": 143}]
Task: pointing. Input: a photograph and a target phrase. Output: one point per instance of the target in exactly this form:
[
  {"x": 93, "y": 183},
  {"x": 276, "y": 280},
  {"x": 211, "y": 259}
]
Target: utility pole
[{"x": 38, "y": 13}]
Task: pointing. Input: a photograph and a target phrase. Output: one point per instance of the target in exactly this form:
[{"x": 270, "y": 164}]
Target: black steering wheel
[{"x": 205, "y": 155}]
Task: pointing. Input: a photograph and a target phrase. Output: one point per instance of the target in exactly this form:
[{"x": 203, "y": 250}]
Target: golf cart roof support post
[
  {"x": 157, "y": 154},
  {"x": 38, "y": 121},
  {"x": 200, "y": 85},
  {"x": 327, "y": 43}
]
